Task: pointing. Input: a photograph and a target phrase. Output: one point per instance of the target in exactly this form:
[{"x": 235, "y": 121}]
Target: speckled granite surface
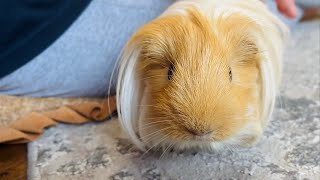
[{"x": 290, "y": 148}]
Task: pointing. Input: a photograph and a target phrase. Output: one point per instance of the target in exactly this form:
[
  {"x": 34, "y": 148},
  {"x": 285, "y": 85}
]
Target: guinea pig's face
[{"x": 202, "y": 80}]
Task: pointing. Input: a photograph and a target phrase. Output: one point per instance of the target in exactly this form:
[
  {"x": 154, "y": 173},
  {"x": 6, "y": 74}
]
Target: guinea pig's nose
[{"x": 197, "y": 132}]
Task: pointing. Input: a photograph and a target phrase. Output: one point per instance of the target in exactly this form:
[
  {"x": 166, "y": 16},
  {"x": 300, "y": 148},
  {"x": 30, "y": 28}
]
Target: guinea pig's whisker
[
  {"x": 158, "y": 131},
  {"x": 108, "y": 93},
  {"x": 152, "y": 125},
  {"x": 150, "y": 118},
  {"x": 282, "y": 104},
  {"x": 157, "y": 122},
  {"x": 150, "y": 138},
  {"x": 164, "y": 152},
  {"x": 156, "y": 144},
  {"x": 229, "y": 147}
]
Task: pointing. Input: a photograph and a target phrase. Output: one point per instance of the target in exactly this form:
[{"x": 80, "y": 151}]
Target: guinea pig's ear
[
  {"x": 130, "y": 91},
  {"x": 239, "y": 34}
]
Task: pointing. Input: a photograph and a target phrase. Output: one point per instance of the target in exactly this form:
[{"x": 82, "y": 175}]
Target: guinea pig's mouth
[
  {"x": 203, "y": 137},
  {"x": 199, "y": 139},
  {"x": 191, "y": 145},
  {"x": 183, "y": 138},
  {"x": 188, "y": 142}
]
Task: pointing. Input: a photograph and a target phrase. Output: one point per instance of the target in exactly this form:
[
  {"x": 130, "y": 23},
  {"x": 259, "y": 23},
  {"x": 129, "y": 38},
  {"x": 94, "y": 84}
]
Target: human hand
[{"x": 288, "y": 8}]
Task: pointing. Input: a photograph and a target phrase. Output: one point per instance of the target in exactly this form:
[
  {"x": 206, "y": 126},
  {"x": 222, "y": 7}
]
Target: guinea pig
[{"x": 203, "y": 75}]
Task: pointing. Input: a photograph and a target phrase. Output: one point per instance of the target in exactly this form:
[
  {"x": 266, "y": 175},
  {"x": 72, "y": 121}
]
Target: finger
[{"x": 287, "y": 7}]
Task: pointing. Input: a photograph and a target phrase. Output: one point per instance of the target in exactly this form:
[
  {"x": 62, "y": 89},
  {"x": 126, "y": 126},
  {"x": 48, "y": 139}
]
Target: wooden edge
[{"x": 13, "y": 161}]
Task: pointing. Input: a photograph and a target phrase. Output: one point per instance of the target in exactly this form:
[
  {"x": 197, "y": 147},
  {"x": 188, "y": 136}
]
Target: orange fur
[
  {"x": 200, "y": 95},
  {"x": 199, "y": 106}
]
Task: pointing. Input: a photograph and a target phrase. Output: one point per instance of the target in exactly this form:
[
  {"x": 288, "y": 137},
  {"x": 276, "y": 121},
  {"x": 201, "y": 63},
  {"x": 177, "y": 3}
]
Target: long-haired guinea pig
[{"x": 203, "y": 75}]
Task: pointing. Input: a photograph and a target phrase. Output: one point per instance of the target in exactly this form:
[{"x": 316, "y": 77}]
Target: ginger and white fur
[{"x": 203, "y": 40}]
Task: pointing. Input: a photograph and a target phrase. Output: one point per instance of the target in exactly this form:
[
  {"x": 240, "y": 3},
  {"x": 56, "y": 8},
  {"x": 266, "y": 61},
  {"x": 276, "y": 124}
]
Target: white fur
[{"x": 130, "y": 91}]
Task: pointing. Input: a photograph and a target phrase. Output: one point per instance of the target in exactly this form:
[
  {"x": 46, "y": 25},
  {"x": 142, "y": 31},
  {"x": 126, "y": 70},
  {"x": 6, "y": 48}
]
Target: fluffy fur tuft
[{"x": 202, "y": 75}]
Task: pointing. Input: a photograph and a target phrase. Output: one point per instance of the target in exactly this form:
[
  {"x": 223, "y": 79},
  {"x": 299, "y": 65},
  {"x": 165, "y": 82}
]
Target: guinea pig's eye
[
  {"x": 230, "y": 74},
  {"x": 170, "y": 72}
]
